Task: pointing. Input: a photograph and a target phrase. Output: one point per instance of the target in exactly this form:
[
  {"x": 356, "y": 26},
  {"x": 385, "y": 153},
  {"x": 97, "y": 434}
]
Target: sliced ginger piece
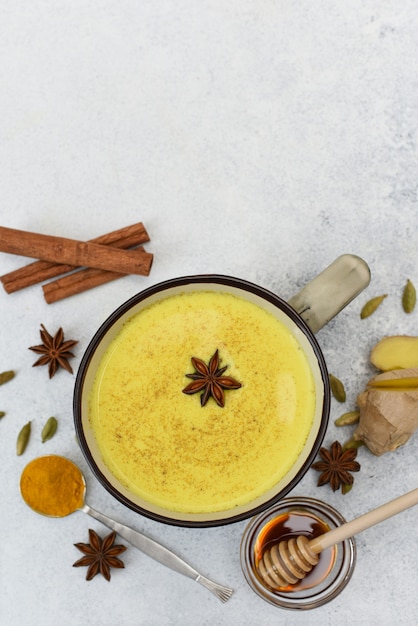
[
  {"x": 395, "y": 352},
  {"x": 395, "y": 384}
]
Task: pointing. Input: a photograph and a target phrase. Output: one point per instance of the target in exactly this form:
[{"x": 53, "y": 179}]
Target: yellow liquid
[{"x": 168, "y": 449}]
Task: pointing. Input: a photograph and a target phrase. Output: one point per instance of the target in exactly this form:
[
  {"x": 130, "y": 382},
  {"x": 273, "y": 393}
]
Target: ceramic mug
[{"x": 303, "y": 315}]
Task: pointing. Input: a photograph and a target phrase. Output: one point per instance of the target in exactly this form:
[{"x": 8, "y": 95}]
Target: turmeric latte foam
[{"x": 167, "y": 448}]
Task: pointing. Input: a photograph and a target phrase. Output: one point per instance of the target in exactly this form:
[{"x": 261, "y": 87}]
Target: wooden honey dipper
[{"x": 289, "y": 561}]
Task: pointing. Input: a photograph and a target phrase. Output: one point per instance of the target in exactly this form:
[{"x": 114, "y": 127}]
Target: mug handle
[{"x": 329, "y": 292}]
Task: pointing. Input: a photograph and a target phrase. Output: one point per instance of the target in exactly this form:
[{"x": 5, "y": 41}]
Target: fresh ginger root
[
  {"x": 388, "y": 415},
  {"x": 395, "y": 352}
]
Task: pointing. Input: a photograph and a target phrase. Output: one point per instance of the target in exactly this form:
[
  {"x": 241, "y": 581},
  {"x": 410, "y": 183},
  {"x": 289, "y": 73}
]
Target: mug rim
[{"x": 160, "y": 288}]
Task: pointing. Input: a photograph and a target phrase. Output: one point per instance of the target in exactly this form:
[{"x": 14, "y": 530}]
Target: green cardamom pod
[
  {"x": 345, "y": 488},
  {"x": 2, "y": 414},
  {"x": 23, "y": 439},
  {"x": 49, "y": 429},
  {"x": 353, "y": 444},
  {"x": 348, "y": 418},
  {"x": 6, "y": 376},
  {"x": 337, "y": 388},
  {"x": 409, "y": 297},
  {"x": 371, "y": 306}
]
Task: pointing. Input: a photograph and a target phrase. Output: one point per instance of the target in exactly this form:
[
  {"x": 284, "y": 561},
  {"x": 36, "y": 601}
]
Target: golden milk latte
[{"x": 161, "y": 443}]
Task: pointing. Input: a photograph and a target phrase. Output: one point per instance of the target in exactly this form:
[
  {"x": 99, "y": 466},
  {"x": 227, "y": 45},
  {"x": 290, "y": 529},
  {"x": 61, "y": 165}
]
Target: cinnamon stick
[
  {"x": 80, "y": 281},
  {"x": 40, "y": 271},
  {"x": 72, "y": 252}
]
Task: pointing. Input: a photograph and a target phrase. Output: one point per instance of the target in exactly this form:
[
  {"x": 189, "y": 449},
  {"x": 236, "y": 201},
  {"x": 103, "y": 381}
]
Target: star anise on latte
[
  {"x": 100, "y": 555},
  {"x": 210, "y": 380},
  {"x": 336, "y": 466},
  {"x": 54, "y": 351}
]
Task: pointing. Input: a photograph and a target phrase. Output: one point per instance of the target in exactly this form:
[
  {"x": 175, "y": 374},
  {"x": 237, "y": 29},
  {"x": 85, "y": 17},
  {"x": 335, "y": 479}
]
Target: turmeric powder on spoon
[{"x": 52, "y": 485}]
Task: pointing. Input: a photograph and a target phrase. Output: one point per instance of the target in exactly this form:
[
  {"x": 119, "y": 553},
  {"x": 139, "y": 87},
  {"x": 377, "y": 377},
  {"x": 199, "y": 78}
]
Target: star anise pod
[
  {"x": 336, "y": 466},
  {"x": 100, "y": 555},
  {"x": 209, "y": 379},
  {"x": 54, "y": 350}
]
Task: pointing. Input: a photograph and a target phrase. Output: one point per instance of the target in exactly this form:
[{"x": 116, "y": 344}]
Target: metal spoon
[{"x": 148, "y": 546}]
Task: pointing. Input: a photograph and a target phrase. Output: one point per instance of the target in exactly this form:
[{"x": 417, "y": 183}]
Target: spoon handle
[{"x": 159, "y": 552}]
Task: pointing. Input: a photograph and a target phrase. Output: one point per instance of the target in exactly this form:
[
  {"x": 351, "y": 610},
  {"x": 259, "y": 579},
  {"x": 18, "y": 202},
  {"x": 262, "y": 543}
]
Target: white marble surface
[{"x": 255, "y": 138}]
